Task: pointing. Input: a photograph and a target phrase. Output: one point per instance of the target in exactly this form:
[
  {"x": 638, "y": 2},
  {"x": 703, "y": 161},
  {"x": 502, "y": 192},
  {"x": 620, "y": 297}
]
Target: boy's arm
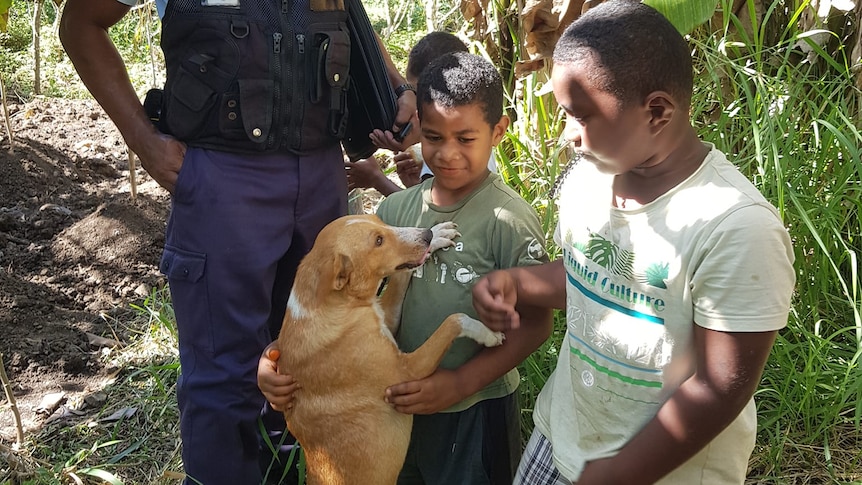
[
  {"x": 445, "y": 387},
  {"x": 366, "y": 173},
  {"x": 729, "y": 367},
  {"x": 497, "y": 295}
]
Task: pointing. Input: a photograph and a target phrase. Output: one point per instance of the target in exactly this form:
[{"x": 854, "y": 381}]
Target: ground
[{"x": 75, "y": 250}]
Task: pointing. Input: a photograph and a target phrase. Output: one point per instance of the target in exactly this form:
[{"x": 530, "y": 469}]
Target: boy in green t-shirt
[{"x": 466, "y": 429}]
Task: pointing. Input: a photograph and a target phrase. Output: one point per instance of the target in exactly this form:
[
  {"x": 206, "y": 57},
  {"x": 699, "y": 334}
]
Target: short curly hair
[
  {"x": 429, "y": 47},
  {"x": 633, "y": 50},
  {"x": 460, "y": 79}
]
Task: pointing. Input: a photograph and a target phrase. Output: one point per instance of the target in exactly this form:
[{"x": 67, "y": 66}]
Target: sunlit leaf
[
  {"x": 5, "y": 5},
  {"x": 685, "y": 15},
  {"x": 102, "y": 475}
]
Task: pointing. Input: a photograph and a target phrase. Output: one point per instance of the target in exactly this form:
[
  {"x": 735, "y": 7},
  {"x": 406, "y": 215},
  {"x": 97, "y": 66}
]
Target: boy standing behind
[
  {"x": 466, "y": 430},
  {"x": 676, "y": 274},
  {"x": 408, "y": 162}
]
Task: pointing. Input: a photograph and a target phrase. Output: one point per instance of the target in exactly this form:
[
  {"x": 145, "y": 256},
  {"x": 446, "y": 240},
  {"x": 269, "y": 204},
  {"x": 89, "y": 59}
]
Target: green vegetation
[
  {"x": 785, "y": 109},
  {"x": 792, "y": 124},
  {"x": 134, "y": 438}
]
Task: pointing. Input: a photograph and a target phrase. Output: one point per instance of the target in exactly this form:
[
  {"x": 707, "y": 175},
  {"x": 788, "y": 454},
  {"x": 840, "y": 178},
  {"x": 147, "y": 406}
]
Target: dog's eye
[{"x": 379, "y": 241}]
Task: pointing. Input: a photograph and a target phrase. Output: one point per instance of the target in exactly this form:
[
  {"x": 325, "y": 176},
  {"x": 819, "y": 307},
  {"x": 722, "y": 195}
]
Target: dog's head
[{"x": 354, "y": 253}]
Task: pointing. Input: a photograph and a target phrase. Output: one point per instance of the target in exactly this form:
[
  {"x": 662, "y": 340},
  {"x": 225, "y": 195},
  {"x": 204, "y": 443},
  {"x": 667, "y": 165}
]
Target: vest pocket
[
  {"x": 187, "y": 106},
  {"x": 207, "y": 69},
  {"x": 222, "y": 88},
  {"x": 329, "y": 75},
  {"x": 255, "y": 107}
]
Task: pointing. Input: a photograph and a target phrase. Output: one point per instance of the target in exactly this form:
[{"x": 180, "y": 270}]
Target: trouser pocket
[{"x": 186, "y": 273}]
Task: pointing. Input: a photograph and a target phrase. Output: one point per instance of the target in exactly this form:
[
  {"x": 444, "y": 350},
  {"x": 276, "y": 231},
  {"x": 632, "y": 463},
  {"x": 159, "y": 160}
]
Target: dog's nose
[{"x": 427, "y": 235}]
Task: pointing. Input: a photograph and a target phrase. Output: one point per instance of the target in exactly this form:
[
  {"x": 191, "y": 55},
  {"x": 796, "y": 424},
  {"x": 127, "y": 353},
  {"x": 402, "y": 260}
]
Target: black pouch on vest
[
  {"x": 329, "y": 62},
  {"x": 153, "y": 103},
  {"x": 371, "y": 102}
]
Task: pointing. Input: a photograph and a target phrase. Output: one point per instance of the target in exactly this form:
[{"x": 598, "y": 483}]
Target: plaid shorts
[{"x": 537, "y": 464}]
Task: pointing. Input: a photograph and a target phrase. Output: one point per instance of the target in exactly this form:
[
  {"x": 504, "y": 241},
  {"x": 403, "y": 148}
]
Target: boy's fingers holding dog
[
  {"x": 279, "y": 391},
  {"x": 273, "y": 354},
  {"x": 399, "y": 395},
  {"x": 394, "y": 393},
  {"x": 425, "y": 396},
  {"x": 277, "y": 388}
]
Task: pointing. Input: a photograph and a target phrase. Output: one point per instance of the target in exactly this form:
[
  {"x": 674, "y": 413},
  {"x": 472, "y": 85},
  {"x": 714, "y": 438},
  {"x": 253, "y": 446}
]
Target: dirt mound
[
  {"x": 75, "y": 248},
  {"x": 118, "y": 242}
]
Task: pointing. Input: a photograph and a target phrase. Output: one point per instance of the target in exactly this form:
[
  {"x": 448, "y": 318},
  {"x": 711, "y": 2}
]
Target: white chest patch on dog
[
  {"x": 381, "y": 317},
  {"x": 294, "y": 307}
]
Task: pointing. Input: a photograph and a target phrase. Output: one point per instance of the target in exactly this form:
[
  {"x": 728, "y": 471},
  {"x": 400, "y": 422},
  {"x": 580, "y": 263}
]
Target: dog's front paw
[
  {"x": 476, "y": 330},
  {"x": 492, "y": 339},
  {"x": 443, "y": 235}
]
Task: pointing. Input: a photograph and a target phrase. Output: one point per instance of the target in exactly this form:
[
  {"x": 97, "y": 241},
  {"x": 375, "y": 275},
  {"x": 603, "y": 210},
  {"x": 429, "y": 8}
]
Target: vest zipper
[
  {"x": 276, "y": 42},
  {"x": 287, "y": 115},
  {"x": 276, "y": 71},
  {"x": 293, "y": 132}
]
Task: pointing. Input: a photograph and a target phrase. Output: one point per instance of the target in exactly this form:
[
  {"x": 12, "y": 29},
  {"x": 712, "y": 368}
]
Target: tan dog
[{"x": 336, "y": 340}]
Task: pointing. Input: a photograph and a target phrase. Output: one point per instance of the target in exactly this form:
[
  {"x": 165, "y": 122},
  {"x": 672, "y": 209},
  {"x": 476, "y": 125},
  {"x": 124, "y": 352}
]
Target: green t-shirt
[{"x": 498, "y": 230}]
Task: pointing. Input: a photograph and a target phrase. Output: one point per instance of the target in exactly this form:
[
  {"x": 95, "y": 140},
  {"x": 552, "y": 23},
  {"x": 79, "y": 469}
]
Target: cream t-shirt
[{"x": 710, "y": 252}]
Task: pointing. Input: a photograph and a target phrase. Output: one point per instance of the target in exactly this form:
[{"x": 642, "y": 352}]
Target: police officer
[{"x": 247, "y": 145}]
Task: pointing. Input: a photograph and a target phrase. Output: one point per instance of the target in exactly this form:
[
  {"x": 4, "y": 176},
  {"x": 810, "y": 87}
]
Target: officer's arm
[{"x": 84, "y": 34}]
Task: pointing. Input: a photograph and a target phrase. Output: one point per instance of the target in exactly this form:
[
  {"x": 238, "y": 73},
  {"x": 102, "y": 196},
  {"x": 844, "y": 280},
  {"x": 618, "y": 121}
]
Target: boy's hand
[
  {"x": 277, "y": 388},
  {"x": 386, "y": 139},
  {"x": 364, "y": 174},
  {"x": 408, "y": 168},
  {"x": 425, "y": 396},
  {"x": 494, "y": 298}
]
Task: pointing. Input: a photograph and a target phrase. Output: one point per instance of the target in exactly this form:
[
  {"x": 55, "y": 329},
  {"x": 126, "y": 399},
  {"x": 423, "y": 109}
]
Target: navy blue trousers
[{"x": 239, "y": 226}]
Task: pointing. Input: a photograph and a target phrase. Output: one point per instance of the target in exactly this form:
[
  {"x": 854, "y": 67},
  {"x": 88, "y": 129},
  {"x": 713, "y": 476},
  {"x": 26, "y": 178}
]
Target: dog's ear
[{"x": 342, "y": 271}]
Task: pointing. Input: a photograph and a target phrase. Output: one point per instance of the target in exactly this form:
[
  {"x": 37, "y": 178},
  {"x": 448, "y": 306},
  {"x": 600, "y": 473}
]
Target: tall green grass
[{"x": 791, "y": 124}]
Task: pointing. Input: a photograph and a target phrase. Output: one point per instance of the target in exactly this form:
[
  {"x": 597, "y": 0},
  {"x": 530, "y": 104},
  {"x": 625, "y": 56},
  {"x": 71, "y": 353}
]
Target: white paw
[
  {"x": 476, "y": 330},
  {"x": 443, "y": 235}
]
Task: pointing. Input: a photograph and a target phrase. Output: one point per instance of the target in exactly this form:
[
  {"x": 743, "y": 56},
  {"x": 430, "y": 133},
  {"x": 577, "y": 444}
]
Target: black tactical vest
[{"x": 256, "y": 76}]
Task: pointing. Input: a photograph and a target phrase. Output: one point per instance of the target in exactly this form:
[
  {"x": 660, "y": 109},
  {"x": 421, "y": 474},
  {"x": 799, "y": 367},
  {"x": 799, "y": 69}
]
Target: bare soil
[{"x": 75, "y": 250}]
